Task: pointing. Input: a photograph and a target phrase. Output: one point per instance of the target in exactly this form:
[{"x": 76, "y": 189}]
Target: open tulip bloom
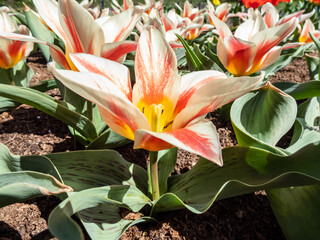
[
  {"x": 308, "y": 27},
  {"x": 12, "y": 52},
  {"x": 81, "y": 33},
  {"x": 163, "y": 109},
  {"x": 253, "y": 46}
]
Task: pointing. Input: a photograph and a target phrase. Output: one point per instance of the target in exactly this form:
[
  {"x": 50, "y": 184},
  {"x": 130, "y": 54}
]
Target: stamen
[
  {"x": 167, "y": 125},
  {"x": 156, "y": 112}
]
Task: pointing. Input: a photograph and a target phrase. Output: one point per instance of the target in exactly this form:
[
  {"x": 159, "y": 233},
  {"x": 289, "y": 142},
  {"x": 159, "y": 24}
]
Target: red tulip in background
[
  {"x": 258, "y": 3},
  {"x": 315, "y": 2}
]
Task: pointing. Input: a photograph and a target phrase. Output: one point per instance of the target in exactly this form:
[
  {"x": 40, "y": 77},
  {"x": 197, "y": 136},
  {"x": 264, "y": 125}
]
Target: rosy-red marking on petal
[
  {"x": 76, "y": 43},
  {"x": 116, "y": 53}
]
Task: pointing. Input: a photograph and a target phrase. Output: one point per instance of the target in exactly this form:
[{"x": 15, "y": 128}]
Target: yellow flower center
[{"x": 158, "y": 115}]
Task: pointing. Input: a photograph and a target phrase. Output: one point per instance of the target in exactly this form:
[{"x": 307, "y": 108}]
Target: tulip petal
[
  {"x": 271, "y": 16},
  {"x": 191, "y": 82},
  {"x": 83, "y": 33},
  {"x": 118, "y": 27},
  {"x": 222, "y": 11},
  {"x": 115, "y": 51},
  {"x": 287, "y": 18},
  {"x": 156, "y": 70},
  {"x": 267, "y": 39},
  {"x": 222, "y": 28},
  {"x": 236, "y": 55},
  {"x": 269, "y": 58},
  {"x": 212, "y": 95},
  {"x": 117, "y": 73},
  {"x": 118, "y": 112},
  {"x": 49, "y": 12},
  {"x": 200, "y": 138},
  {"x": 7, "y": 23},
  {"x": 250, "y": 27}
]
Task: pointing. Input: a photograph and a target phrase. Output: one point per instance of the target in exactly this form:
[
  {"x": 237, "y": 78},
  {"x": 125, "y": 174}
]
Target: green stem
[
  {"x": 89, "y": 110},
  {"x": 153, "y": 175}
]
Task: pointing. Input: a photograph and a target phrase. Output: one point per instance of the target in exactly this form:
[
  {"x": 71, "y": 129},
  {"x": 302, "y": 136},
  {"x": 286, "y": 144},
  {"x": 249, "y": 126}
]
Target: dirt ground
[{"x": 27, "y": 131}]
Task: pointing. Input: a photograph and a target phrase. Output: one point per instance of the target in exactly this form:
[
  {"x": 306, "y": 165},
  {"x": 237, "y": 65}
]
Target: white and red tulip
[
  {"x": 308, "y": 27},
  {"x": 253, "y": 46},
  {"x": 221, "y": 11},
  {"x": 271, "y": 15},
  {"x": 190, "y": 12},
  {"x": 162, "y": 109},
  {"x": 79, "y": 31},
  {"x": 11, "y": 51}
]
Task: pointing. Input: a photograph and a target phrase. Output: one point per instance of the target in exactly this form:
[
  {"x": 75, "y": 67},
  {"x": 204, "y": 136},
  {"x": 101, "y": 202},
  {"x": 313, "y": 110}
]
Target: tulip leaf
[
  {"x": 102, "y": 211},
  {"x": 108, "y": 139},
  {"x": 24, "y": 177},
  {"x": 41, "y": 32},
  {"x": 181, "y": 56},
  {"x": 246, "y": 169},
  {"x": 191, "y": 56},
  {"x": 262, "y": 117},
  {"x": 95, "y": 168},
  {"x": 45, "y": 85},
  {"x": 7, "y": 104},
  {"x": 310, "y": 111},
  {"x": 166, "y": 162},
  {"x": 315, "y": 40},
  {"x": 306, "y": 128},
  {"x": 300, "y": 90},
  {"x": 19, "y": 75},
  {"x": 207, "y": 62},
  {"x": 297, "y": 210},
  {"x": 50, "y": 106},
  {"x": 210, "y": 49},
  {"x": 313, "y": 66}
]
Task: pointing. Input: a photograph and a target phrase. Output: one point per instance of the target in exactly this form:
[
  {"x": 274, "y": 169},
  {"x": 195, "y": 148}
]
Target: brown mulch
[{"x": 26, "y": 131}]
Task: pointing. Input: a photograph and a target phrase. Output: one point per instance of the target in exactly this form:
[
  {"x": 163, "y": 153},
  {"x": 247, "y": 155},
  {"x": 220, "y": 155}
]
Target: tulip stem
[{"x": 153, "y": 175}]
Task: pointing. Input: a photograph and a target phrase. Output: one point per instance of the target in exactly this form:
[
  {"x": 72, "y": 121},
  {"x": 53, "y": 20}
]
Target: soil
[{"x": 27, "y": 131}]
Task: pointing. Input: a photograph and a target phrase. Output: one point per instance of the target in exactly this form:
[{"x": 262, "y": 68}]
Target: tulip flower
[
  {"x": 253, "y": 46},
  {"x": 258, "y": 3},
  {"x": 189, "y": 11},
  {"x": 315, "y": 2},
  {"x": 271, "y": 15},
  {"x": 81, "y": 33},
  {"x": 221, "y": 11},
  {"x": 308, "y": 28},
  {"x": 12, "y": 52},
  {"x": 162, "y": 109}
]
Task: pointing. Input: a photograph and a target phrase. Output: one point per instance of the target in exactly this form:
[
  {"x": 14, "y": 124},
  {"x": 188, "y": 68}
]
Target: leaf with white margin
[
  {"x": 95, "y": 168},
  {"x": 245, "y": 170},
  {"x": 101, "y": 212},
  {"x": 260, "y": 118},
  {"x": 24, "y": 177}
]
